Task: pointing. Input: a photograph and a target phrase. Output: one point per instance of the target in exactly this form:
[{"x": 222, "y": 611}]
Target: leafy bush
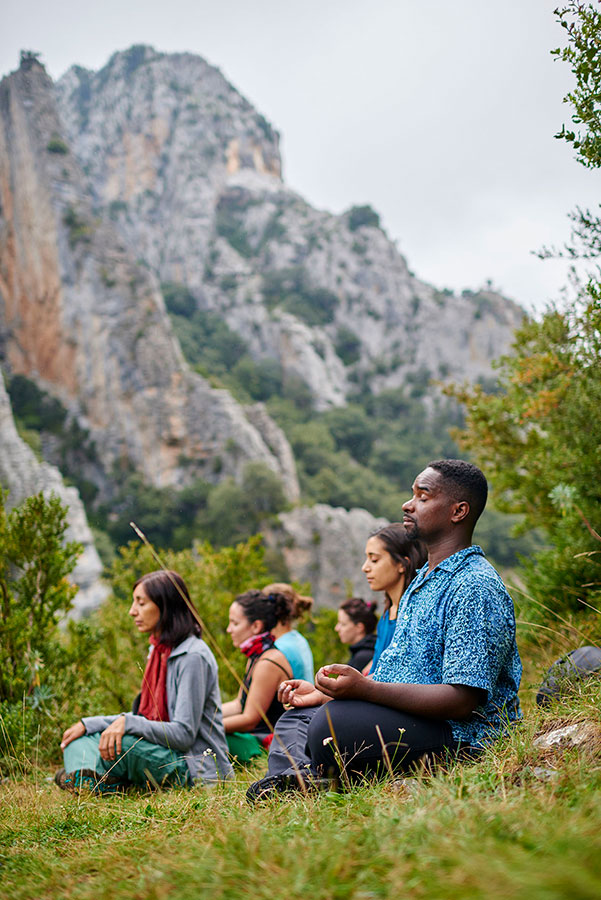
[
  {"x": 360, "y": 216},
  {"x": 34, "y": 661},
  {"x": 35, "y": 408},
  {"x": 57, "y": 145},
  {"x": 347, "y": 346},
  {"x": 291, "y": 290},
  {"x": 205, "y": 338},
  {"x": 539, "y": 438},
  {"x": 352, "y": 430},
  {"x": 178, "y": 299},
  {"x": 80, "y": 231}
]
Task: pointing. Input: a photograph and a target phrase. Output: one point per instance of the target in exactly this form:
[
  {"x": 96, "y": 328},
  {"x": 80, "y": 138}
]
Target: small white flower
[{"x": 327, "y": 740}]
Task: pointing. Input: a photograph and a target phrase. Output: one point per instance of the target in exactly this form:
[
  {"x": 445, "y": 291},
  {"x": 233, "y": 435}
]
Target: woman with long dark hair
[
  {"x": 175, "y": 734},
  {"x": 391, "y": 563}
]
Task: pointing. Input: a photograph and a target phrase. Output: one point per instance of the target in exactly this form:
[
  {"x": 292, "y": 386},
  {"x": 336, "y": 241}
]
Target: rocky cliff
[
  {"x": 23, "y": 475},
  {"x": 155, "y": 175},
  {"x": 82, "y": 314},
  {"x": 325, "y": 546},
  {"x": 190, "y": 174}
]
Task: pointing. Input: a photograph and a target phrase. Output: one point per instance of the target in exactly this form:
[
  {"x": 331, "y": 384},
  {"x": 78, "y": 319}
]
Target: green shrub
[
  {"x": 360, "y": 216},
  {"x": 57, "y": 145},
  {"x": 291, "y": 290},
  {"x": 348, "y": 346},
  {"x": 35, "y": 408},
  {"x": 34, "y": 659},
  {"x": 80, "y": 231},
  {"x": 178, "y": 299}
]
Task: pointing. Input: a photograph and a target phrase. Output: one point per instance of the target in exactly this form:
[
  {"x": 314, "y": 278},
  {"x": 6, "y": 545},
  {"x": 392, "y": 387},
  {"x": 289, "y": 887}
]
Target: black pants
[{"x": 344, "y": 732}]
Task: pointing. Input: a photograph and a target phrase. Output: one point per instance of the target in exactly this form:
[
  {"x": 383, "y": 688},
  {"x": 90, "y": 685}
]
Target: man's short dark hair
[{"x": 463, "y": 481}]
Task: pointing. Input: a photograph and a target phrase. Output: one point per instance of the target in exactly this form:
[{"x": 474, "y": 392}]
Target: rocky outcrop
[
  {"x": 81, "y": 313},
  {"x": 190, "y": 174},
  {"x": 325, "y": 546},
  {"x": 23, "y": 475}
]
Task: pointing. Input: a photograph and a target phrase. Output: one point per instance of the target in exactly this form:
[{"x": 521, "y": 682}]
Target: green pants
[
  {"x": 140, "y": 761},
  {"x": 244, "y": 746}
]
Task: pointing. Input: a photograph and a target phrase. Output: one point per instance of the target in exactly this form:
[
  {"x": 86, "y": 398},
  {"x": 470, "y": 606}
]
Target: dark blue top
[{"x": 456, "y": 625}]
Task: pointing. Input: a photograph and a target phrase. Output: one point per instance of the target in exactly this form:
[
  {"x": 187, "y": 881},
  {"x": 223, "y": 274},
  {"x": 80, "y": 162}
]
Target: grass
[{"x": 493, "y": 829}]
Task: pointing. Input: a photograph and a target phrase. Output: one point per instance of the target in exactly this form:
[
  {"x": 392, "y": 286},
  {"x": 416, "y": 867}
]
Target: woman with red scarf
[
  {"x": 249, "y": 719},
  {"x": 175, "y": 733}
]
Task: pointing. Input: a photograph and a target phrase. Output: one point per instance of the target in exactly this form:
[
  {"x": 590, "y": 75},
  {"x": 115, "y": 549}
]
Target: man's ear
[{"x": 460, "y": 512}]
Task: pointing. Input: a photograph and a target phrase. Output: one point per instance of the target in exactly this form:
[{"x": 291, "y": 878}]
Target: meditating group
[{"x": 437, "y": 682}]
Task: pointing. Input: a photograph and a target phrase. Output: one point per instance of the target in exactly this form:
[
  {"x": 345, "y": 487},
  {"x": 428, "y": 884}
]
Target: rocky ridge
[
  {"x": 190, "y": 174},
  {"x": 86, "y": 321}
]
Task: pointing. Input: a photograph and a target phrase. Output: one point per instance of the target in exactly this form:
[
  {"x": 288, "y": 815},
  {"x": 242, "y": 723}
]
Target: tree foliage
[
  {"x": 582, "y": 23},
  {"x": 34, "y": 591},
  {"x": 540, "y": 435},
  {"x": 538, "y": 438},
  {"x": 36, "y": 662}
]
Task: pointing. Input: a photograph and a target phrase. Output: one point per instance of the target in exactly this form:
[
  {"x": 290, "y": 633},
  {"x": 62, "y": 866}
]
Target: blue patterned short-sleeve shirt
[{"x": 456, "y": 625}]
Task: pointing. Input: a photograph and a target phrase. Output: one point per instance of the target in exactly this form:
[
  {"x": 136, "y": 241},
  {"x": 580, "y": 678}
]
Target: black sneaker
[{"x": 273, "y": 785}]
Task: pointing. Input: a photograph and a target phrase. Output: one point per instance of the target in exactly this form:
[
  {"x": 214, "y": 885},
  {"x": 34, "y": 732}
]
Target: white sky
[{"x": 439, "y": 113}]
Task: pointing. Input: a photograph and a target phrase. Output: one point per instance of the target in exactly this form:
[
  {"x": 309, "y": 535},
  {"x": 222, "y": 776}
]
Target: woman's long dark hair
[
  {"x": 270, "y": 607},
  {"x": 403, "y": 549},
  {"x": 177, "y": 621}
]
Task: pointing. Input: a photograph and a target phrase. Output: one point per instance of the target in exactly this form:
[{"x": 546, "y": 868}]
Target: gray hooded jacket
[{"x": 195, "y": 728}]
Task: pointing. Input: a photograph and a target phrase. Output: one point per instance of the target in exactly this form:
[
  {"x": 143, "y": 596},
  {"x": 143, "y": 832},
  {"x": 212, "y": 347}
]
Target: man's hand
[
  {"x": 348, "y": 683},
  {"x": 297, "y": 692},
  {"x": 71, "y": 734},
  {"x": 111, "y": 738}
]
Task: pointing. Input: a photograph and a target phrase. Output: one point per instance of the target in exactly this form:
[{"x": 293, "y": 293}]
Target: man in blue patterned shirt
[{"x": 450, "y": 677}]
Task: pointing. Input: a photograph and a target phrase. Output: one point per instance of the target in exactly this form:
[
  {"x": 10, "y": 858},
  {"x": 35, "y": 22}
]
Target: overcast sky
[{"x": 439, "y": 113}]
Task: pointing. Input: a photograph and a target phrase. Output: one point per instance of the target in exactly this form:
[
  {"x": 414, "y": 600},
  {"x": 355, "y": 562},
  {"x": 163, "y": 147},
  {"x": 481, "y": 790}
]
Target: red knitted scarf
[
  {"x": 153, "y": 700},
  {"x": 257, "y": 644}
]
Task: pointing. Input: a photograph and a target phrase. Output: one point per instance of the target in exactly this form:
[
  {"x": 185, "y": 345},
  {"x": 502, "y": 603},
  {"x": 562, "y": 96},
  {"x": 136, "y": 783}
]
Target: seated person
[
  {"x": 175, "y": 734},
  {"x": 249, "y": 719},
  {"x": 449, "y": 679},
  {"x": 391, "y": 561},
  {"x": 291, "y": 642},
  {"x": 357, "y": 621}
]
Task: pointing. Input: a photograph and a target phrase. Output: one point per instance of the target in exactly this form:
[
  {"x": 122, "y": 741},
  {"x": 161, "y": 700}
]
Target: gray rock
[
  {"x": 541, "y": 773},
  {"x": 580, "y": 734},
  {"x": 82, "y": 314},
  {"x": 23, "y": 475},
  {"x": 325, "y": 546}
]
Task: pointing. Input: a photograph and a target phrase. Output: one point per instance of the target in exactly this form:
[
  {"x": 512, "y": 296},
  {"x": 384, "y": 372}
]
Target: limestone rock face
[
  {"x": 190, "y": 175},
  {"x": 23, "y": 475},
  {"x": 83, "y": 316},
  {"x": 325, "y": 546}
]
